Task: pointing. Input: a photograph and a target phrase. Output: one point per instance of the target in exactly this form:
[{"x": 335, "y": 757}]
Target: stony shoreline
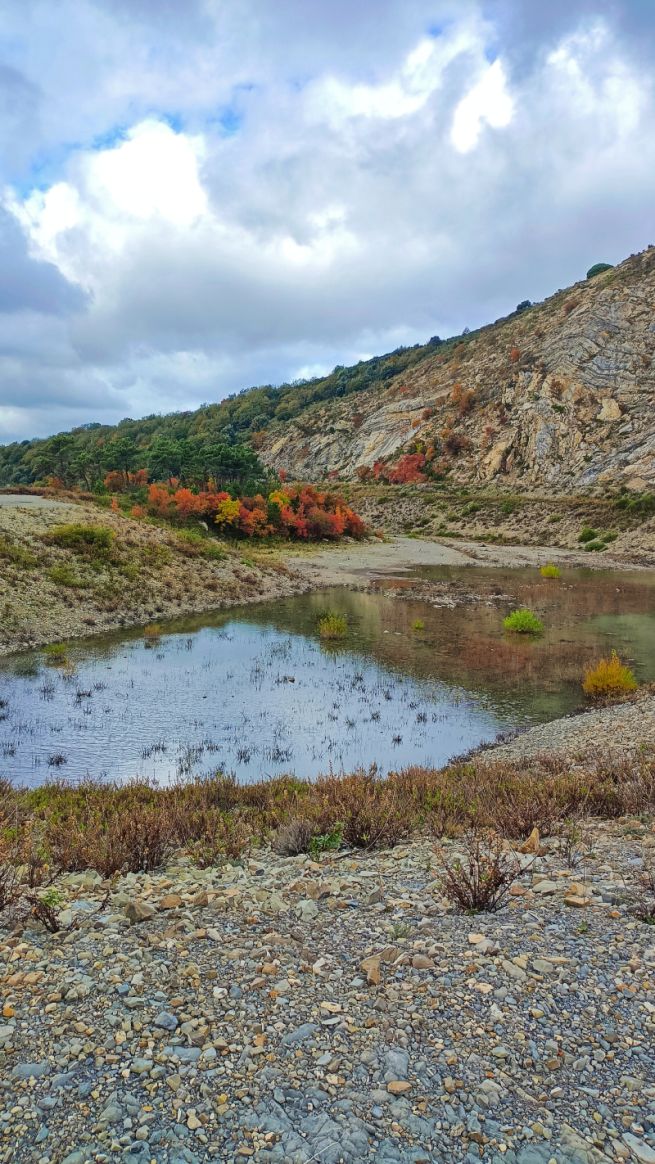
[
  {"x": 618, "y": 728},
  {"x": 293, "y": 1011}
]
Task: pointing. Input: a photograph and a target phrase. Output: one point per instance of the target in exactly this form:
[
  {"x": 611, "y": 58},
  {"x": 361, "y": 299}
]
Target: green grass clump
[
  {"x": 197, "y": 545},
  {"x": 549, "y": 571},
  {"x": 641, "y": 503},
  {"x": 56, "y": 654},
  {"x": 65, "y": 576},
  {"x": 523, "y": 622},
  {"x": 609, "y": 677},
  {"x": 588, "y": 534},
  {"x": 595, "y": 547},
  {"x": 83, "y": 539},
  {"x": 418, "y": 624},
  {"x": 16, "y": 554},
  {"x": 333, "y": 625}
]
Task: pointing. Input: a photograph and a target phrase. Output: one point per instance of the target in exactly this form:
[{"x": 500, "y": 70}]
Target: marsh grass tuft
[
  {"x": 523, "y": 622},
  {"x": 56, "y": 655},
  {"x": 549, "y": 571},
  {"x": 332, "y": 625}
]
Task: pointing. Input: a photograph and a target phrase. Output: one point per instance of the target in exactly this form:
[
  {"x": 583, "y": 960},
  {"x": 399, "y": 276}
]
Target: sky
[{"x": 197, "y": 197}]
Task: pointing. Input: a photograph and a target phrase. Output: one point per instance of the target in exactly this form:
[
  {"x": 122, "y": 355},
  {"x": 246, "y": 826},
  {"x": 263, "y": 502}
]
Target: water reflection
[{"x": 257, "y": 693}]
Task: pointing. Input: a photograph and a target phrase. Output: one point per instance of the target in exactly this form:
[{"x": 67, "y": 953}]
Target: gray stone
[
  {"x": 299, "y": 1035},
  {"x": 30, "y": 1070},
  {"x": 166, "y": 1021}
]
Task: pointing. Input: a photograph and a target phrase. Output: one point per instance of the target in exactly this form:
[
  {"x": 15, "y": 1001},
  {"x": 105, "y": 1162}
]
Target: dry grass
[{"x": 137, "y": 827}]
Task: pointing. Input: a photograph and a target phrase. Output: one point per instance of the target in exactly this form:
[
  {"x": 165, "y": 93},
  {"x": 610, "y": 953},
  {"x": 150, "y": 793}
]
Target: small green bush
[
  {"x": 549, "y": 571},
  {"x": 418, "y": 624},
  {"x": 83, "y": 539},
  {"x": 326, "y": 842},
  {"x": 333, "y": 625},
  {"x": 523, "y": 622},
  {"x": 641, "y": 503},
  {"x": 595, "y": 547},
  {"x": 598, "y": 269},
  {"x": 588, "y": 534}
]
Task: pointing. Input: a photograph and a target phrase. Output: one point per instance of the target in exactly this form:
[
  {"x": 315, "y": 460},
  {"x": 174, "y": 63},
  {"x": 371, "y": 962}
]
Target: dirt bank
[{"x": 50, "y": 592}]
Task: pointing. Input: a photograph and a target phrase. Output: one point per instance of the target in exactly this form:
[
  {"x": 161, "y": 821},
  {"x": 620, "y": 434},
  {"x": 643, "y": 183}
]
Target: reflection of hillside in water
[
  {"x": 586, "y": 613},
  {"x": 255, "y": 691}
]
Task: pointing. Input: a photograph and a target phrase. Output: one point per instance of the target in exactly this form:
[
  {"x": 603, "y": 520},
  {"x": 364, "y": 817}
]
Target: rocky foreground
[{"x": 288, "y": 1010}]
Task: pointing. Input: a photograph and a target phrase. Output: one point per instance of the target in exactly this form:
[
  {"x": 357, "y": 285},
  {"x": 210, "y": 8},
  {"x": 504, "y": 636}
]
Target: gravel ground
[
  {"x": 621, "y": 727},
  {"x": 30, "y": 501},
  {"x": 292, "y": 1011}
]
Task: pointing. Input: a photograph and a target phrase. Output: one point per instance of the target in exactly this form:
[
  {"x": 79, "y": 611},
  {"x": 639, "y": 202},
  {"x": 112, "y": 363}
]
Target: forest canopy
[{"x": 212, "y": 443}]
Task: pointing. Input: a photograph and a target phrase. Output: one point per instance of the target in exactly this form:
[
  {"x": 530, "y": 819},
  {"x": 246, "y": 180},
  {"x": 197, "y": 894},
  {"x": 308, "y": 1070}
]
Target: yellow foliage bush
[{"x": 608, "y": 677}]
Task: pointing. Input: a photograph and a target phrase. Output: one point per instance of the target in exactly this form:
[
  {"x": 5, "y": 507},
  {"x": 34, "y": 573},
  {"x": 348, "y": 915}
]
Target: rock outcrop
[{"x": 560, "y": 396}]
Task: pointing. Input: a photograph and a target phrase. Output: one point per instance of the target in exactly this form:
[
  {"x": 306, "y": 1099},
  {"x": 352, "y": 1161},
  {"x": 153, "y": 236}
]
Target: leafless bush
[
  {"x": 644, "y": 907},
  {"x": 572, "y": 842},
  {"x": 480, "y": 881}
]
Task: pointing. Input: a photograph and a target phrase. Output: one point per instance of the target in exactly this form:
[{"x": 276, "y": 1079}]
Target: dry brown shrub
[
  {"x": 480, "y": 880},
  {"x": 292, "y": 838}
]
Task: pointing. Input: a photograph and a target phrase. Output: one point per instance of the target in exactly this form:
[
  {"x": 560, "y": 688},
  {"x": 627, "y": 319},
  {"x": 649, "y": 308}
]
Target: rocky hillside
[{"x": 558, "y": 396}]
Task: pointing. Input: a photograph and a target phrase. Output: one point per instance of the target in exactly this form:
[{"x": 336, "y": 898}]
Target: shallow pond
[{"x": 254, "y": 691}]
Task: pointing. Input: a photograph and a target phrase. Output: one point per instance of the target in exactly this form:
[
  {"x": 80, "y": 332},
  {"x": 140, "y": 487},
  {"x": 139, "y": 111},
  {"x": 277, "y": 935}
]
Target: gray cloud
[{"x": 30, "y": 283}]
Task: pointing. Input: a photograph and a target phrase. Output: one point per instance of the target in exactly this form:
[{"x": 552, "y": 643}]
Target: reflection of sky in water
[
  {"x": 257, "y": 694},
  {"x": 250, "y": 699}
]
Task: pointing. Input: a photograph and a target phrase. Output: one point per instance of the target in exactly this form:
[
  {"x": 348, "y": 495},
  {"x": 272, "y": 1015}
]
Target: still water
[{"x": 254, "y": 691}]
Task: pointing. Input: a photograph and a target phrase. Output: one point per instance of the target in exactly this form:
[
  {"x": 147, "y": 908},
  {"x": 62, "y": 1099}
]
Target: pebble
[{"x": 266, "y": 1012}]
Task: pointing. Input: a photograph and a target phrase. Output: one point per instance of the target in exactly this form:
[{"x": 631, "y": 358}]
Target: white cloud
[
  {"x": 271, "y": 195},
  {"x": 488, "y": 101}
]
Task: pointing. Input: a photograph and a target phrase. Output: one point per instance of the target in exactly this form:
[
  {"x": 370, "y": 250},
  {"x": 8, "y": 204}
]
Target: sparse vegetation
[
  {"x": 644, "y": 905},
  {"x": 418, "y": 624},
  {"x": 608, "y": 679},
  {"x": 332, "y": 625},
  {"x": 16, "y": 554},
  {"x": 550, "y": 571},
  {"x": 64, "y": 575},
  {"x": 523, "y": 622}
]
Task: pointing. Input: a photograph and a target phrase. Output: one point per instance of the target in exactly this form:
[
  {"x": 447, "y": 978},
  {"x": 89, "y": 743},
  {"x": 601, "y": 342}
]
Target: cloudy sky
[{"x": 199, "y": 196}]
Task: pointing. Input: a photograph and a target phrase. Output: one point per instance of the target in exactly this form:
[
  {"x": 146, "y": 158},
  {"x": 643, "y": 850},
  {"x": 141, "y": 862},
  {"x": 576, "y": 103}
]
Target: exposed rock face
[{"x": 560, "y": 396}]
